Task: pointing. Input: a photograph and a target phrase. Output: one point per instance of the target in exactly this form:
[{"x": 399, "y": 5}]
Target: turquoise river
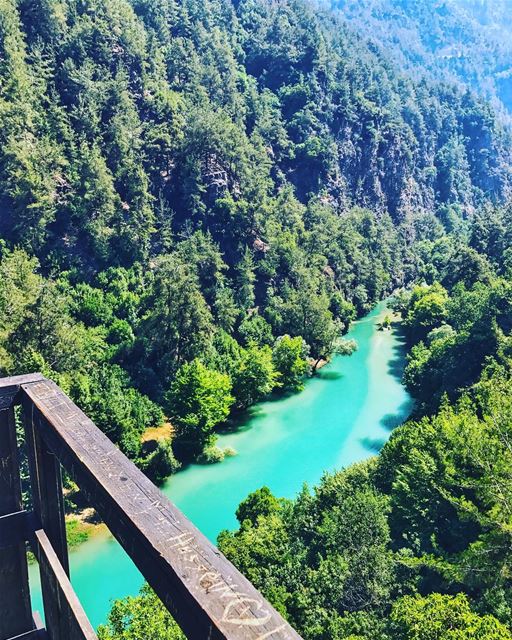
[{"x": 344, "y": 414}]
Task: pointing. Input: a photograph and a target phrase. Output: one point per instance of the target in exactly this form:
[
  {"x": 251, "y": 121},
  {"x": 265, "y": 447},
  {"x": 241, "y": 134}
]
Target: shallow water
[{"x": 344, "y": 414}]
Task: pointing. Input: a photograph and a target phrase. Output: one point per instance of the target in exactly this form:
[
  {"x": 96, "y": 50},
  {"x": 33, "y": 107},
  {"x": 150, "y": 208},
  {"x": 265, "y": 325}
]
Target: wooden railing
[{"x": 204, "y": 592}]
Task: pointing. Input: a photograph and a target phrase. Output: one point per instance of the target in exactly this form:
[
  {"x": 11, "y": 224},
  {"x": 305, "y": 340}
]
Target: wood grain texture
[
  {"x": 15, "y": 609},
  {"x": 9, "y": 388},
  {"x": 65, "y": 617},
  {"x": 208, "y": 597},
  {"x": 46, "y": 485}
]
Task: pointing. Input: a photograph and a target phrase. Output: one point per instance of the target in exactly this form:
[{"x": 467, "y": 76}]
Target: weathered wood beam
[
  {"x": 204, "y": 592},
  {"x": 15, "y": 609},
  {"x": 16, "y": 528},
  {"x": 65, "y": 617},
  {"x": 9, "y": 387},
  {"x": 37, "y": 633}
]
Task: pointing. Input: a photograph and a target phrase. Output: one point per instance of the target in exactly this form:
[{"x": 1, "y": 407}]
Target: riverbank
[
  {"x": 156, "y": 434},
  {"x": 80, "y": 528},
  {"x": 345, "y": 413}
]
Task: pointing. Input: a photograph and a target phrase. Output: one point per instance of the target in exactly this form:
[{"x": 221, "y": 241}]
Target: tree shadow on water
[
  {"x": 392, "y": 420},
  {"x": 397, "y": 363},
  {"x": 241, "y": 420},
  {"x": 373, "y": 445},
  {"x": 396, "y": 367},
  {"x": 328, "y": 375}
]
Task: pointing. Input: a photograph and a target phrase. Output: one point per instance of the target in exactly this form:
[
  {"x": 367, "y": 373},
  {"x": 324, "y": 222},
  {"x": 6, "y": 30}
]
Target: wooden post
[
  {"x": 15, "y": 608},
  {"x": 67, "y": 620},
  {"x": 46, "y": 482},
  {"x": 48, "y": 506}
]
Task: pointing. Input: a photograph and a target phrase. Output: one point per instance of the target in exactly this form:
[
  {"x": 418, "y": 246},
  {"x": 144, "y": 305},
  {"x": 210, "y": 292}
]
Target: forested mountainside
[
  {"x": 184, "y": 180},
  {"x": 455, "y": 40},
  {"x": 141, "y": 120}
]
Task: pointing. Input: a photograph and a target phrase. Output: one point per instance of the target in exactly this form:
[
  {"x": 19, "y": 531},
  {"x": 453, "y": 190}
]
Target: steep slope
[{"x": 122, "y": 120}]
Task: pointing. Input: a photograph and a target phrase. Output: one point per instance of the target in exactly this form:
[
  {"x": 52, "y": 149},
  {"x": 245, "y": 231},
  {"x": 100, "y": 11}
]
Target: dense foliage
[
  {"x": 458, "y": 320},
  {"x": 140, "y": 618},
  {"x": 196, "y": 198},
  {"x": 184, "y": 181},
  {"x": 414, "y": 543},
  {"x": 199, "y": 399}
]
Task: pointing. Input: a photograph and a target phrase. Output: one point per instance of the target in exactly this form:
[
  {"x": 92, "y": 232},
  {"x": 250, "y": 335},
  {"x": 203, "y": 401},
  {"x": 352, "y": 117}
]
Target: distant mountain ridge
[{"x": 465, "y": 40}]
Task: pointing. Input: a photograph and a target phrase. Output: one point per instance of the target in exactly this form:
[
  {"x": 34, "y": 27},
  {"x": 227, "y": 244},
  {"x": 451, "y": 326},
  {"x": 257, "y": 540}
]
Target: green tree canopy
[
  {"x": 140, "y": 618},
  {"x": 289, "y": 356},
  {"x": 442, "y": 617},
  {"x": 197, "y": 401}
]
